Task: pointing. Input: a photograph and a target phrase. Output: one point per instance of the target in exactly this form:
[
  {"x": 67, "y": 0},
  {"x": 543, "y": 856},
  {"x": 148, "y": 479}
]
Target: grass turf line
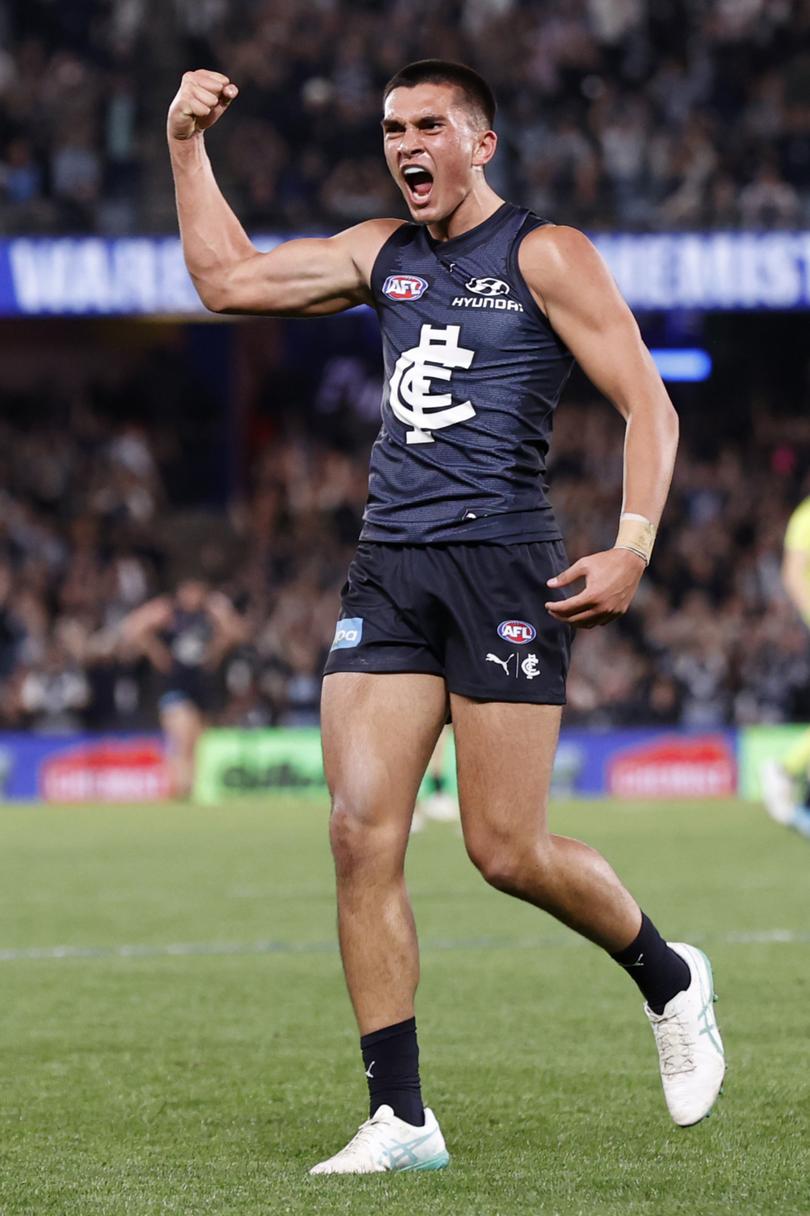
[{"x": 195, "y": 1084}]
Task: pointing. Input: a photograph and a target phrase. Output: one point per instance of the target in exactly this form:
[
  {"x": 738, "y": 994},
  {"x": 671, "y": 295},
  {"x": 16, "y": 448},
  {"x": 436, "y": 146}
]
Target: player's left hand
[{"x": 611, "y": 579}]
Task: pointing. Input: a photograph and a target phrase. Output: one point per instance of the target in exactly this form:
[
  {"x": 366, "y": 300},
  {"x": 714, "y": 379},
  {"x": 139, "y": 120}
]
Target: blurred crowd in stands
[
  {"x": 93, "y": 523},
  {"x": 613, "y": 113}
]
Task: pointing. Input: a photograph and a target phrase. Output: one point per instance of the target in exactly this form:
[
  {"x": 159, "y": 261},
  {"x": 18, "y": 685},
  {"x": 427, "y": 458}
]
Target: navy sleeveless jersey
[
  {"x": 473, "y": 373},
  {"x": 188, "y": 637}
]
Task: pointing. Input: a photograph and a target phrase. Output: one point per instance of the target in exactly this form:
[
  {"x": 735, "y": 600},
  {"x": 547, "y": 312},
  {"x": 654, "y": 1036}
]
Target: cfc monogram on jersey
[
  {"x": 412, "y": 398},
  {"x": 473, "y": 373}
]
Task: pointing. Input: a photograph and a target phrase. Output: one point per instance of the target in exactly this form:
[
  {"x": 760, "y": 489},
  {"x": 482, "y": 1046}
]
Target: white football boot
[
  {"x": 385, "y": 1143},
  {"x": 778, "y": 793},
  {"x": 690, "y": 1050}
]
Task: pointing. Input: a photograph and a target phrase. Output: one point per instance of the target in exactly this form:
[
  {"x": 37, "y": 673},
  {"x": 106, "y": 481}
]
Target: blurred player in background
[
  {"x": 185, "y": 637},
  {"x": 458, "y": 588},
  {"x": 786, "y": 783}
]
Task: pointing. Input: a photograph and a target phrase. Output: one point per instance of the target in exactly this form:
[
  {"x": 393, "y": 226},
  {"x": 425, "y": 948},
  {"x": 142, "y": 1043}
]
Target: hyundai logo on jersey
[
  {"x": 488, "y": 287},
  {"x": 405, "y": 286},
  {"x": 349, "y": 632},
  {"x": 518, "y": 632}
]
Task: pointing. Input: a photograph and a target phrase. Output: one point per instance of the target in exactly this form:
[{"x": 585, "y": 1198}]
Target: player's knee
[
  {"x": 345, "y": 828},
  {"x": 508, "y": 864},
  {"x": 367, "y": 844},
  {"x": 357, "y": 834},
  {"x": 505, "y": 871}
]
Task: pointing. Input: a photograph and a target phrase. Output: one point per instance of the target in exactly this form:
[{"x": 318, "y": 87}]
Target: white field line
[{"x": 757, "y": 937}]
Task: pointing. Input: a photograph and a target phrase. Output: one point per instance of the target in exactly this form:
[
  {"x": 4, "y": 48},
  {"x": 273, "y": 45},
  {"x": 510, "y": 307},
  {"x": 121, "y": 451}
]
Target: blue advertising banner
[
  {"x": 82, "y": 768},
  {"x": 706, "y": 271},
  {"x": 94, "y": 276},
  {"x": 640, "y": 763},
  {"x": 145, "y": 276}
]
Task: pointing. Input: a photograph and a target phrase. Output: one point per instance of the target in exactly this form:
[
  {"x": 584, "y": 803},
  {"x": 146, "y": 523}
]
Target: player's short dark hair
[{"x": 477, "y": 93}]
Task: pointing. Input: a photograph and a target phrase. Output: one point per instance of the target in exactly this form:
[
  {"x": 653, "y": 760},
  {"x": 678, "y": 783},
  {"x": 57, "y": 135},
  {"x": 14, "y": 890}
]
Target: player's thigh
[
  {"x": 183, "y": 722},
  {"x": 378, "y": 733},
  {"x": 504, "y": 755}
]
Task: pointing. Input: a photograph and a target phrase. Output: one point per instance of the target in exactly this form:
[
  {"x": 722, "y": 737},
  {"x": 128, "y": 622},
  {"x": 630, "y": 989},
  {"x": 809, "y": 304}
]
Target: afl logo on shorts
[
  {"x": 518, "y": 632},
  {"x": 405, "y": 286}
]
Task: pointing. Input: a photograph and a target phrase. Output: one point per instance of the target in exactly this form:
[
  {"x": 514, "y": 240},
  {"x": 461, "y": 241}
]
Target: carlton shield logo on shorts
[
  {"x": 520, "y": 633},
  {"x": 405, "y": 286},
  {"x": 349, "y": 632}
]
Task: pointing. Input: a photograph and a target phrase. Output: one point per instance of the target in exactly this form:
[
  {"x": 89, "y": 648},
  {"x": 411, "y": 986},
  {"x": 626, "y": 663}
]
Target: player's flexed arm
[
  {"x": 304, "y": 278},
  {"x": 575, "y": 290}
]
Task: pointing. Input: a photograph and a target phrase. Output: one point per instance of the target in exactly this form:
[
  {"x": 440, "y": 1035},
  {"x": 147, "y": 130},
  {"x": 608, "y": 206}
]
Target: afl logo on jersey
[
  {"x": 520, "y": 633},
  {"x": 488, "y": 287},
  {"x": 405, "y": 286}
]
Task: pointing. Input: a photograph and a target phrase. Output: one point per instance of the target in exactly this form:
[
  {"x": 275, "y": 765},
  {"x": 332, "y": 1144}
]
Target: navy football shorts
[
  {"x": 186, "y": 686},
  {"x": 471, "y": 613}
]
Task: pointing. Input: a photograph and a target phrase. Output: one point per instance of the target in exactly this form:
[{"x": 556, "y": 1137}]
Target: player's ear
[{"x": 484, "y": 151}]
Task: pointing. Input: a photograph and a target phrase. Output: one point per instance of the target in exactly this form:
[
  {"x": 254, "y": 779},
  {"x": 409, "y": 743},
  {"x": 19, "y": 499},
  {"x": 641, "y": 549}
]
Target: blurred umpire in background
[{"x": 786, "y": 782}]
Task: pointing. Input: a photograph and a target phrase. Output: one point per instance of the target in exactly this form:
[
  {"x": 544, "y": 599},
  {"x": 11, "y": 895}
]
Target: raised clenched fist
[{"x": 202, "y": 97}]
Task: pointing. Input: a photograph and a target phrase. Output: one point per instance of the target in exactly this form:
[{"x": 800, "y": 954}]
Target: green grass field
[{"x": 175, "y": 1036}]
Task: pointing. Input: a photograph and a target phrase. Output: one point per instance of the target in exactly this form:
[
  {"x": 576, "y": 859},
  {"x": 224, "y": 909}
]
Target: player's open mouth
[{"x": 419, "y": 183}]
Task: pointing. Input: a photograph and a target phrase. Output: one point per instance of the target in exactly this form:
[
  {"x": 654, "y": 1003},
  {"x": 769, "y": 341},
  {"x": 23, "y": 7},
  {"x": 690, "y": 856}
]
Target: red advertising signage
[
  {"x": 675, "y": 766},
  {"x": 107, "y": 771}
]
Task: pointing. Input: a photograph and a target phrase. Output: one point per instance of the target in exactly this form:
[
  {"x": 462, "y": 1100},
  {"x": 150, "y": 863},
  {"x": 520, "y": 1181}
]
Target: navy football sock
[
  {"x": 391, "y": 1057},
  {"x": 659, "y": 972}
]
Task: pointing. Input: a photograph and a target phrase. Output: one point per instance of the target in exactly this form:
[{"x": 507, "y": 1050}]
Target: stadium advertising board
[
  {"x": 82, "y": 768},
  {"x": 626, "y": 763},
  {"x": 238, "y": 764},
  {"x": 758, "y": 745},
  {"x": 720, "y": 270},
  {"x": 646, "y": 764},
  {"x": 141, "y": 276},
  {"x": 246, "y": 763}
]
